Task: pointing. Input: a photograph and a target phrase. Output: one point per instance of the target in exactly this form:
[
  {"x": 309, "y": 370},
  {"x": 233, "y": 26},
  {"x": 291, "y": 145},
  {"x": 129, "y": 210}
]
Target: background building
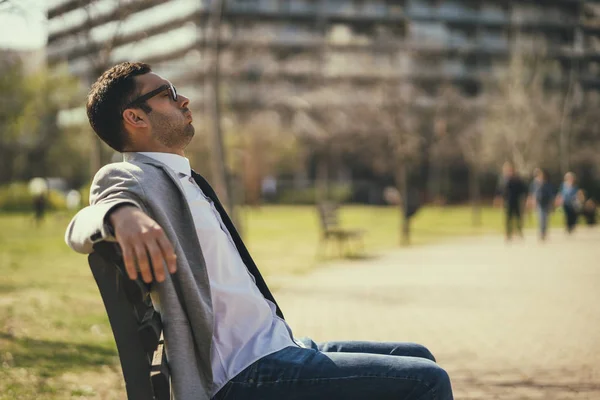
[
  {"x": 429, "y": 40},
  {"x": 273, "y": 52}
]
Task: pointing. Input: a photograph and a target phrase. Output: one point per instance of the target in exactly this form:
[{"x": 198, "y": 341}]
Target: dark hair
[{"x": 109, "y": 94}]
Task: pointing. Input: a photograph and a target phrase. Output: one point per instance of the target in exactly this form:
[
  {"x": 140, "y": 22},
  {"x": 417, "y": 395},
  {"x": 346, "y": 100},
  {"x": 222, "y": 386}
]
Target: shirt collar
[{"x": 176, "y": 162}]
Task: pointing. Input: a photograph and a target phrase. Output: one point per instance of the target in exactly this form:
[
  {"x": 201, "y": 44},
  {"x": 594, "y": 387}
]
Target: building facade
[{"x": 332, "y": 41}]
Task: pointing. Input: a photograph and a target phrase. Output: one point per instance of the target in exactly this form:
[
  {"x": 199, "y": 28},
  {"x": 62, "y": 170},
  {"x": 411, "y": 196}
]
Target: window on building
[
  {"x": 457, "y": 9},
  {"x": 525, "y": 12},
  {"x": 420, "y": 8},
  {"x": 428, "y": 32},
  {"x": 494, "y": 39},
  {"x": 339, "y": 7},
  {"x": 453, "y": 67},
  {"x": 302, "y": 6},
  {"x": 461, "y": 35},
  {"x": 376, "y": 8},
  {"x": 493, "y": 12},
  {"x": 245, "y": 5}
]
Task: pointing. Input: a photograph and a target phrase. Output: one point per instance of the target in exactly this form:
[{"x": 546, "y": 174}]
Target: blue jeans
[
  {"x": 543, "y": 214},
  {"x": 342, "y": 370}
]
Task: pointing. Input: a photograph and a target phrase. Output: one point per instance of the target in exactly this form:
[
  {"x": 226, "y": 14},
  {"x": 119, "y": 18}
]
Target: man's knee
[
  {"x": 415, "y": 350},
  {"x": 434, "y": 381},
  {"x": 440, "y": 383}
]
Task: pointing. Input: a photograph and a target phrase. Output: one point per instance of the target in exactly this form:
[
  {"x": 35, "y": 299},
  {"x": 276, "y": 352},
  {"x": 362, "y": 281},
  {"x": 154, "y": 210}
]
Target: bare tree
[
  {"x": 460, "y": 126},
  {"x": 97, "y": 53},
  {"x": 221, "y": 179},
  {"x": 449, "y": 119},
  {"x": 585, "y": 143},
  {"x": 389, "y": 134},
  {"x": 383, "y": 128},
  {"x": 99, "y": 62},
  {"x": 265, "y": 147},
  {"x": 319, "y": 124},
  {"x": 522, "y": 117},
  {"x": 402, "y": 129}
]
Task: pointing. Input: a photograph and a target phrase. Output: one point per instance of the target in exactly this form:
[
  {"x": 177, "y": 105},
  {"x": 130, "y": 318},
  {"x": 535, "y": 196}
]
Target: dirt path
[{"x": 507, "y": 321}]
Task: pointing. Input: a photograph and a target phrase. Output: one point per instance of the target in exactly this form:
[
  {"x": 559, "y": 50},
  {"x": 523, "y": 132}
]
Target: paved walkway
[{"x": 507, "y": 321}]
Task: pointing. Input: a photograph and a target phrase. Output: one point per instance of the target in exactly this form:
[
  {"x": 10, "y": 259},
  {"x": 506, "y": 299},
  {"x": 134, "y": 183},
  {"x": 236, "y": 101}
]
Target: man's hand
[
  {"x": 558, "y": 201},
  {"x": 140, "y": 236},
  {"x": 531, "y": 202}
]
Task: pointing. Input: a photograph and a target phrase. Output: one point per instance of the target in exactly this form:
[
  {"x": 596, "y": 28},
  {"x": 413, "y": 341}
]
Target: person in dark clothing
[
  {"x": 589, "y": 212},
  {"x": 542, "y": 196},
  {"x": 567, "y": 198},
  {"x": 511, "y": 191},
  {"x": 39, "y": 207}
]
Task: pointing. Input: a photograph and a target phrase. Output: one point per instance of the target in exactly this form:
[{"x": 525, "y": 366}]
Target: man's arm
[
  {"x": 558, "y": 200},
  {"x": 139, "y": 237},
  {"x": 111, "y": 188},
  {"x": 117, "y": 213}
]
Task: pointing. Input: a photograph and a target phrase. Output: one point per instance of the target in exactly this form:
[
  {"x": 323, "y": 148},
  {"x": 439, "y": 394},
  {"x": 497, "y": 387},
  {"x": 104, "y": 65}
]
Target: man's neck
[{"x": 139, "y": 149}]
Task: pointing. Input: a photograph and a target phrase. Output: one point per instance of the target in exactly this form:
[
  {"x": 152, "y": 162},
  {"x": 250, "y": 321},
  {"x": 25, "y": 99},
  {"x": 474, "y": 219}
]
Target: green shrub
[
  {"x": 85, "y": 195},
  {"x": 16, "y": 197},
  {"x": 56, "y": 201}
]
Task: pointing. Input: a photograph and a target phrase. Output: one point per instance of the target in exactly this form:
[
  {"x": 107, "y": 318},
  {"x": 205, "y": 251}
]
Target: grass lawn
[
  {"x": 285, "y": 239},
  {"x": 55, "y": 341}
]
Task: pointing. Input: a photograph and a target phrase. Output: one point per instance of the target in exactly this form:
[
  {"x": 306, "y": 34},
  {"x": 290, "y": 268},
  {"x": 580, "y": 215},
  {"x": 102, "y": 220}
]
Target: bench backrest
[
  {"x": 328, "y": 215},
  {"x": 136, "y": 326}
]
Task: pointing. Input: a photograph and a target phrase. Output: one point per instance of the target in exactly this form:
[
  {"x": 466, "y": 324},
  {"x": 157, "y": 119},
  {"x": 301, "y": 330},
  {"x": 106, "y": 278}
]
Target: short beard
[{"x": 169, "y": 134}]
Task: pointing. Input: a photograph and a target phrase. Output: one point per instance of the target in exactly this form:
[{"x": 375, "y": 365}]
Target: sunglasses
[{"x": 145, "y": 97}]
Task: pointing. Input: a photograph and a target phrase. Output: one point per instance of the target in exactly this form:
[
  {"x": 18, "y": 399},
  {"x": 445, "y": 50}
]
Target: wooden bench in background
[
  {"x": 136, "y": 325},
  {"x": 331, "y": 230}
]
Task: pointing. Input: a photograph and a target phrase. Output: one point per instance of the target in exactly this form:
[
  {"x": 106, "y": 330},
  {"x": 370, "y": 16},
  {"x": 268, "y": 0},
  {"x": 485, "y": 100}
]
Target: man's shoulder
[{"x": 136, "y": 170}]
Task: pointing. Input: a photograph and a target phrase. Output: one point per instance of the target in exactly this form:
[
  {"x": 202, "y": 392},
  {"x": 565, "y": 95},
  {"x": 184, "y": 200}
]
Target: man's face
[
  {"x": 569, "y": 179},
  {"x": 170, "y": 121},
  {"x": 539, "y": 177}
]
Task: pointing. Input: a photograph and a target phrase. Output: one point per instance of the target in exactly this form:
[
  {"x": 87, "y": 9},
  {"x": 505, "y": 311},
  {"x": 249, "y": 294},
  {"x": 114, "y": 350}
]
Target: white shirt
[{"x": 246, "y": 327}]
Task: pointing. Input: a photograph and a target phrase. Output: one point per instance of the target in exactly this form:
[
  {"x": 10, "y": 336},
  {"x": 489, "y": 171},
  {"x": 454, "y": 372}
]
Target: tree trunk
[
  {"x": 218, "y": 158},
  {"x": 564, "y": 144},
  {"x": 475, "y": 194},
  {"x": 322, "y": 186},
  {"x": 435, "y": 191},
  {"x": 402, "y": 186}
]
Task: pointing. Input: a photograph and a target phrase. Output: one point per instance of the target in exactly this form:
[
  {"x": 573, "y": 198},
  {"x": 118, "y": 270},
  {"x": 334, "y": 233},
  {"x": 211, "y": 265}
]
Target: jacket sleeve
[{"x": 112, "y": 186}]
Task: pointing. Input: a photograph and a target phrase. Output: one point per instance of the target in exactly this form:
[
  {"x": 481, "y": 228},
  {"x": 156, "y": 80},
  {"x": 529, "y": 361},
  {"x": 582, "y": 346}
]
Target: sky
[{"x": 23, "y": 24}]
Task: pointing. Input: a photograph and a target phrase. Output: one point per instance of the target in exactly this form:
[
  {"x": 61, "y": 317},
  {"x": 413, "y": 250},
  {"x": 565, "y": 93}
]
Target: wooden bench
[
  {"x": 331, "y": 230},
  {"x": 136, "y": 325}
]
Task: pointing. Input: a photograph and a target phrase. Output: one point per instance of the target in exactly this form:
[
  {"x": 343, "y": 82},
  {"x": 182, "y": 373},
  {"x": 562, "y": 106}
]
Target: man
[
  {"x": 511, "y": 190},
  {"x": 567, "y": 198},
  {"x": 226, "y": 338},
  {"x": 541, "y": 196}
]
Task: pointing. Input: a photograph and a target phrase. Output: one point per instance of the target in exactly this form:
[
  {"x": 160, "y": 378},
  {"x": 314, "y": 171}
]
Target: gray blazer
[{"x": 154, "y": 188}]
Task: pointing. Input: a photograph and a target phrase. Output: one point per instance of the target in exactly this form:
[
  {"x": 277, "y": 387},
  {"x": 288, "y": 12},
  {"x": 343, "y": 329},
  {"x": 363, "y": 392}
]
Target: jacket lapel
[
  {"x": 208, "y": 191},
  {"x": 140, "y": 158},
  {"x": 239, "y": 244}
]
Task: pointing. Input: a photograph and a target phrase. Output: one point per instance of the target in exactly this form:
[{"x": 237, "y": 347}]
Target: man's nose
[{"x": 184, "y": 101}]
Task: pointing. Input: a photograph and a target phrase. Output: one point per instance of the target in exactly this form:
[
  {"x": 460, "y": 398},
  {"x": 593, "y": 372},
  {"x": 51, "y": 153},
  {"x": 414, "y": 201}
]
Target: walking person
[
  {"x": 511, "y": 192},
  {"x": 225, "y": 336},
  {"x": 567, "y": 198},
  {"x": 542, "y": 199}
]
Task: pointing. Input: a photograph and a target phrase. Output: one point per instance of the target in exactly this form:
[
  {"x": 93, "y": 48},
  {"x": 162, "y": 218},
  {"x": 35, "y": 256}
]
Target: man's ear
[{"x": 135, "y": 118}]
